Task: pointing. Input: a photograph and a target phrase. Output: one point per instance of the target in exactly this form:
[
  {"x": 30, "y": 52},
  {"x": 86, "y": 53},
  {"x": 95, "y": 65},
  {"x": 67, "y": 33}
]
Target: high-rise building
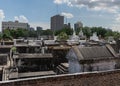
[
  {"x": 14, "y": 25},
  {"x": 31, "y": 29},
  {"x": 67, "y": 25},
  {"x": 57, "y": 22},
  {"x": 39, "y": 28},
  {"x": 78, "y": 25}
]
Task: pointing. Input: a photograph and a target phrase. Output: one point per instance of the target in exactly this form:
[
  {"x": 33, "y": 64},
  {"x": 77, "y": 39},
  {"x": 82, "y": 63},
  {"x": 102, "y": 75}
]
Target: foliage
[
  {"x": 9, "y": 34},
  {"x": 62, "y": 36},
  {"x": 68, "y": 31},
  {"x": 116, "y": 35},
  {"x": 0, "y": 36},
  {"x": 109, "y": 33},
  {"x": 14, "y": 49},
  {"x": 77, "y": 30},
  {"x": 32, "y": 33},
  {"x": 6, "y": 35},
  {"x": 100, "y": 31},
  {"x": 47, "y": 32},
  {"x": 87, "y": 31},
  {"x": 44, "y": 32}
]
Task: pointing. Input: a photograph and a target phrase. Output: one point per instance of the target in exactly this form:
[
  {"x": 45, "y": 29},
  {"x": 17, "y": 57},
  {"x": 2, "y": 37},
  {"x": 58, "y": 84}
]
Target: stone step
[{"x": 62, "y": 68}]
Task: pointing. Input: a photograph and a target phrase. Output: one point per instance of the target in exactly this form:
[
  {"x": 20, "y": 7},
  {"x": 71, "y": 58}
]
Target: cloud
[
  {"x": 115, "y": 27},
  {"x": 60, "y": 1},
  {"x": 44, "y": 25},
  {"x": 67, "y": 15},
  {"x": 68, "y": 2},
  {"x": 117, "y": 18},
  {"x": 111, "y": 6},
  {"x": 2, "y": 16},
  {"x": 21, "y": 18},
  {"x": 105, "y": 6}
]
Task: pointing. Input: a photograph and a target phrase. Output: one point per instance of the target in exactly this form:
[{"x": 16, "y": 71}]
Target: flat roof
[
  {"x": 29, "y": 56},
  {"x": 65, "y": 64},
  {"x": 31, "y": 74},
  {"x": 26, "y": 45},
  {"x": 61, "y": 47},
  {"x": 6, "y": 46},
  {"x": 3, "y": 54}
]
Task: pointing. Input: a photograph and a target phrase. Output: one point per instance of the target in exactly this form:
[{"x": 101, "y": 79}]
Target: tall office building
[
  {"x": 57, "y": 22},
  {"x": 78, "y": 25},
  {"x": 67, "y": 25},
  {"x": 14, "y": 25},
  {"x": 39, "y": 28}
]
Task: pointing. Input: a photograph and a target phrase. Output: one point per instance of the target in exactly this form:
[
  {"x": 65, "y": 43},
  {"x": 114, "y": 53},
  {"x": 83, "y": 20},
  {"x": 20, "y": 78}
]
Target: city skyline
[{"x": 103, "y": 13}]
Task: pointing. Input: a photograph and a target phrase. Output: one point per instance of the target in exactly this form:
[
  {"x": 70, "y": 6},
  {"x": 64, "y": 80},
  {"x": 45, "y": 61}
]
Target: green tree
[
  {"x": 62, "y": 36},
  {"x": 87, "y": 31},
  {"x": 68, "y": 31},
  {"x": 109, "y": 33},
  {"x": 6, "y": 35},
  {"x": 100, "y": 31},
  {"x": 0, "y": 36},
  {"x": 116, "y": 35},
  {"x": 32, "y": 33},
  {"x": 47, "y": 32},
  {"x": 77, "y": 30}
]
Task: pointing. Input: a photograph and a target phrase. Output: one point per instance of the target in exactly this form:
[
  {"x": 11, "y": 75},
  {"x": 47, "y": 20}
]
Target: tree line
[
  {"x": 9, "y": 34},
  {"x": 88, "y": 31}
]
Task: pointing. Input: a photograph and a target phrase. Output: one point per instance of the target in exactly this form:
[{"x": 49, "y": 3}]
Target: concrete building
[
  {"x": 14, "y": 25},
  {"x": 57, "y": 22},
  {"x": 87, "y": 59},
  {"x": 31, "y": 29},
  {"x": 39, "y": 28},
  {"x": 78, "y": 25},
  {"x": 67, "y": 25}
]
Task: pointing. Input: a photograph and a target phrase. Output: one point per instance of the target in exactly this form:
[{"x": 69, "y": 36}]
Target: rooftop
[{"x": 28, "y": 55}]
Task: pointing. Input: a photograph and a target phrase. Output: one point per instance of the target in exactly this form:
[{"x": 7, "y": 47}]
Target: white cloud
[
  {"x": 44, "y": 25},
  {"x": 115, "y": 27},
  {"x": 104, "y": 6},
  {"x": 58, "y": 1},
  {"x": 21, "y": 18},
  {"x": 2, "y": 16},
  {"x": 111, "y": 6},
  {"x": 61, "y": 1},
  {"x": 67, "y": 15},
  {"x": 117, "y": 18}
]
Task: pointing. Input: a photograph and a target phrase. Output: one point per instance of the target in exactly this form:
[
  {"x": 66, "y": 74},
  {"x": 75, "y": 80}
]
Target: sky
[{"x": 105, "y": 13}]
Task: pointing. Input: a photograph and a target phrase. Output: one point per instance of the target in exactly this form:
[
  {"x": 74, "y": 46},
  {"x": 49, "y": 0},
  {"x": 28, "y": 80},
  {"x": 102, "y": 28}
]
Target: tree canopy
[{"x": 9, "y": 34}]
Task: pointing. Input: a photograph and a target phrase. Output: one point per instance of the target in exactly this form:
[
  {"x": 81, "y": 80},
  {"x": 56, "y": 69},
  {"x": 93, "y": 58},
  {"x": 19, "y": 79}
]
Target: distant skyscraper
[
  {"x": 39, "y": 28},
  {"x": 78, "y": 25},
  {"x": 14, "y": 25},
  {"x": 67, "y": 25},
  {"x": 31, "y": 29},
  {"x": 57, "y": 22}
]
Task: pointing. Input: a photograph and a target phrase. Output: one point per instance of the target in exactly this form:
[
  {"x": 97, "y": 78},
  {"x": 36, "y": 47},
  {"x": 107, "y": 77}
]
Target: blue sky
[{"x": 103, "y": 13}]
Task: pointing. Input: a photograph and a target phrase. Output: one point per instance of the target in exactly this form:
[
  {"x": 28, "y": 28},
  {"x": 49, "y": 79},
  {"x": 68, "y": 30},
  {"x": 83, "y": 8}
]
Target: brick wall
[{"x": 110, "y": 78}]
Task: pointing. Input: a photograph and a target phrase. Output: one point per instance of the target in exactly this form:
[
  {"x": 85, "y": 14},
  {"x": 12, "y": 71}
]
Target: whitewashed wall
[
  {"x": 74, "y": 66},
  {"x": 104, "y": 65}
]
